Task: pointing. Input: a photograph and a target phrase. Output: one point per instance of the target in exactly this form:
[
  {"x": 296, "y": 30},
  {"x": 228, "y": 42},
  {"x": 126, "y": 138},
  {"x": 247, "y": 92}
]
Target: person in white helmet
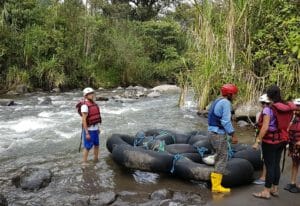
[
  {"x": 91, "y": 119},
  {"x": 294, "y": 148},
  {"x": 265, "y": 102}
]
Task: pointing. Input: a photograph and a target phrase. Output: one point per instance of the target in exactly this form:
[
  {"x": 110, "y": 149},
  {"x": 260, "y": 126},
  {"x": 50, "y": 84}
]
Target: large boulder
[
  {"x": 154, "y": 94},
  {"x": 56, "y": 90},
  {"x": 32, "y": 178},
  {"x": 46, "y": 101},
  {"x": 166, "y": 88},
  {"x": 246, "y": 111},
  {"x": 7, "y": 102}
]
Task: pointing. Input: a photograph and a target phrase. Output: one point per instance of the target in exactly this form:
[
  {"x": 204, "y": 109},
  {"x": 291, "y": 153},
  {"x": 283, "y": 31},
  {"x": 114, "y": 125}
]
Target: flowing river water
[{"x": 48, "y": 137}]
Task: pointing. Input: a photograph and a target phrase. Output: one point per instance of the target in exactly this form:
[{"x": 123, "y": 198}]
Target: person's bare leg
[
  {"x": 294, "y": 172},
  {"x": 85, "y": 155},
  {"x": 96, "y": 153}
]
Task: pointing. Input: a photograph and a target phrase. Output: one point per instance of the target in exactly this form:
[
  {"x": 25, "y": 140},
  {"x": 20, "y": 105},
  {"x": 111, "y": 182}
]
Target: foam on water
[
  {"x": 26, "y": 124},
  {"x": 66, "y": 135},
  {"x": 119, "y": 111},
  {"x": 45, "y": 114}
]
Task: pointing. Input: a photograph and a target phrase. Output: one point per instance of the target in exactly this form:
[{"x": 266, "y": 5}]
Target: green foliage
[
  {"x": 250, "y": 43},
  {"x": 15, "y": 77},
  {"x": 67, "y": 44}
]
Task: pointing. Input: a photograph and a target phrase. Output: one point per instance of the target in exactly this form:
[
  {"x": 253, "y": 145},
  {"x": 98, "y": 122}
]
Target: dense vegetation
[{"x": 71, "y": 43}]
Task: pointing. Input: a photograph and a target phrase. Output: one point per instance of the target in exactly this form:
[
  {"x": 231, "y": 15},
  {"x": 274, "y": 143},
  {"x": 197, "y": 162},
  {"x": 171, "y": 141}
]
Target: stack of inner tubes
[{"x": 182, "y": 155}]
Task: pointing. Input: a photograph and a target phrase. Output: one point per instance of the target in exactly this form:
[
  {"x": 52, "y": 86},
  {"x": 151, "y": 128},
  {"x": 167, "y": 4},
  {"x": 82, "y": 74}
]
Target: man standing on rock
[
  {"x": 91, "y": 118},
  {"x": 219, "y": 129}
]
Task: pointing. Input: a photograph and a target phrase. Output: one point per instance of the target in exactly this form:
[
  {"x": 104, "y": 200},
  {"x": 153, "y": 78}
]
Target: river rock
[
  {"x": 3, "y": 201},
  {"x": 166, "y": 88},
  {"x": 21, "y": 89},
  {"x": 188, "y": 197},
  {"x": 7, "y": 102},
  {"x": 169, "y": 202},
  {"x": 32, "y": 178},
  {"x": 103, "y": 198},
  {"x": 56, "y": 90},
  {"x": 46, "y": 101},
  {"x": 154, "y": 94},
  {"x": 68, "y": 199},
  {"x": 102, "y": 98},
  {"x": 161, "y": 194}
]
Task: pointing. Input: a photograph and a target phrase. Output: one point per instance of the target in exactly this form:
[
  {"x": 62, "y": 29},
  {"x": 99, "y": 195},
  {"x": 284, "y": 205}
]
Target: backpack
[
  {"x": 78, "y": 106},
  {"x": 284, "y": 114}
]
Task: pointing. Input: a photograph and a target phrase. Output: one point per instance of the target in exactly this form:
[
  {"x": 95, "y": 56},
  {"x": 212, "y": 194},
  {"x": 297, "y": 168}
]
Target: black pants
[{"x": 272, "y": 155}]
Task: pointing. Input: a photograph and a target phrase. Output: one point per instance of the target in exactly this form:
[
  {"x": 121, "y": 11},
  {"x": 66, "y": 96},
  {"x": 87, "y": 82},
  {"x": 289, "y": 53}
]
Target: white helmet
[
  {"x": 297, "y": 101},
  {"x": 88, "y": 90},
  {"x": 264, "y": 98}
]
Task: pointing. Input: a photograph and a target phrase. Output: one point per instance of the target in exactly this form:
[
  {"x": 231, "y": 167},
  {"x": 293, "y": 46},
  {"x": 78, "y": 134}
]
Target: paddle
[{"x": 80, "y": 140}]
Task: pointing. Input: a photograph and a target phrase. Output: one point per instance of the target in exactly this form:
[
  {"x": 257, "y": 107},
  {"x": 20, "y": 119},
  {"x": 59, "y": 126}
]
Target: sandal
[
  {"x": 274, "y": 193},
  {"x": 289, "y": 186},
  {"x": 295, "y": 189},
  {"x": 261, "y": 195}
]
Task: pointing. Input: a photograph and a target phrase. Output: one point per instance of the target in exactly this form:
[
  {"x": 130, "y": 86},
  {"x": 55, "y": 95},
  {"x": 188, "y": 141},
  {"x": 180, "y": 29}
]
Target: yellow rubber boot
[{"x": 216, "y": 179}]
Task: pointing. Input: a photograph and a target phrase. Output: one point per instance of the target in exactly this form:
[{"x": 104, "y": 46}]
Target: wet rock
[
  {"x": 68, "y": 199},
  {"x": 7, "y": 102},
  {"x": 102, "y": 99},
  {"x": 103, "y": 198},
  {"x": 56, "y": 90},
  {"x": 161, "y": 194},
  {"x": 149, "y": 203},
  {"x": 3, "y": 201},
  {"x": 32, "y": 179},
  {"x": 169, "y": 202},
  {"x": 46, "y": 101},
  {"x": 166, "y": 88},
  {"x": 12, "y": 92},
  {"x": 116, "y": 97},
  {"x": 21, "y": 89},
  {"x": 187, "y": 197},
  {"x": 120, "y": 202},
  {"x": 154, "y": 94},
  {"x": 203, "y": 113},
  {"x": 132, "y": 94},
  {"x": 127, "y": 193},
  {"x": 242, "y": 123}
]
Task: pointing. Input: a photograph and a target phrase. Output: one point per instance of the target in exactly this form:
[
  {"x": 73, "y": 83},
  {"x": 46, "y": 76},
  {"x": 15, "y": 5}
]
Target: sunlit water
[{"x": 33, "y": 135}]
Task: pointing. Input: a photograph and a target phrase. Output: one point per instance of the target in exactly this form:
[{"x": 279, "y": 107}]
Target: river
[{"x": 48, "y": 137}]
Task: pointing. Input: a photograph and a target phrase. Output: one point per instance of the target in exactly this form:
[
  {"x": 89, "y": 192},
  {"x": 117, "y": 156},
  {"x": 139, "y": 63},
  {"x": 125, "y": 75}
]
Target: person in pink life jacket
[
  {"x": 273, "y": 137},
  {"x": 91, "y": 119},
  {"x": 294, "y": 148}
]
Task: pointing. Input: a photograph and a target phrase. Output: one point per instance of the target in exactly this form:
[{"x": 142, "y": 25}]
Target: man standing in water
[
  {"x": 91, "y": 119},
  {"x": 219, "y": 129}
]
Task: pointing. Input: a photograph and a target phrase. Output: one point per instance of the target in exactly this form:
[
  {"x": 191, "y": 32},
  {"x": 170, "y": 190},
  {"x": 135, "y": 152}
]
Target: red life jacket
[
  {"x": 94, "y": 116},
  {"x": 283, "y": 114},
  {"x": 294, "y": 130}
]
